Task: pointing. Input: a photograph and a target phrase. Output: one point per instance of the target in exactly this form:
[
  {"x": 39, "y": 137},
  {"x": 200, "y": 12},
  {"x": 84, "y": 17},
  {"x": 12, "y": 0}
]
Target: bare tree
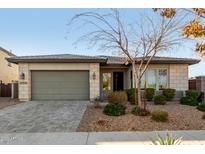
[{"x": 139, "y": 42}]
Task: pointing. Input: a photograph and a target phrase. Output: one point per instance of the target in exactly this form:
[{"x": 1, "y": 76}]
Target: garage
[{"x": 60, "y": 85}]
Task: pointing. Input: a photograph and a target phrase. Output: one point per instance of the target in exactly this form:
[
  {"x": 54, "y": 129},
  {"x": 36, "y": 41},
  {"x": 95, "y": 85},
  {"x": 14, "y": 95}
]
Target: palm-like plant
[{"x": 169, "y": 139}]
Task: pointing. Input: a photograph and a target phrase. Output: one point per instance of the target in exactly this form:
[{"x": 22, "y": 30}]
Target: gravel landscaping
[{"x": 181, "y": 117}]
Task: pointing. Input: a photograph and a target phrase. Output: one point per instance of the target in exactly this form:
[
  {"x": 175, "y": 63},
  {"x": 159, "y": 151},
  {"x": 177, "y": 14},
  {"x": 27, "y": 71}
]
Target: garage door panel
[
  {"x": 60, "y": 85},
  {"x": 60, "y": 97},
  {"x": 59, "y": 92}
]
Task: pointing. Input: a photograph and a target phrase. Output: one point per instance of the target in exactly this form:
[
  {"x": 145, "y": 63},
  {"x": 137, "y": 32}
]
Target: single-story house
[{"x": 76, "y": 77}]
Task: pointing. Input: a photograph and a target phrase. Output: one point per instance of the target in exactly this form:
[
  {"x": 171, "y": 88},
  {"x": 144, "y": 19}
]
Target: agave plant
[{"x": 169, "y": 139}]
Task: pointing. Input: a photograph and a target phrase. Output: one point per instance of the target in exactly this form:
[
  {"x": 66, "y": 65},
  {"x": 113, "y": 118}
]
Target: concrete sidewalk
[{"x": 97, "y": 138}]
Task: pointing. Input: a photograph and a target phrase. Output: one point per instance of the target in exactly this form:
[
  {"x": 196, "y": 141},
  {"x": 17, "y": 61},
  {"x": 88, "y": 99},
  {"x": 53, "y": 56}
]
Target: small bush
[
  {"x": 114, "y": 109},
  {"x": 140, "y": 112},
  {"x": 159, "y": 115},
  {"x": 201, "y": 97},
  {"x": 131, "y": 96},
  {"x": 169, "y": 93},
  {"x": 194, "y": 94},
  {"x": 159, "y": 100},
  {"x": 117, "y": 97},
  {"x": 188, "y": 101},
  {"x": 201, "y": 106},
  {"x": 150, "y": 93}
]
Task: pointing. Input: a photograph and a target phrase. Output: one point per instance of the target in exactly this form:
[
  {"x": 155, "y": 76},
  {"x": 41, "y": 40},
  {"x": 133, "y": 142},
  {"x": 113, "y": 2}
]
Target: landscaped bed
[{"x": 181, "y": 117}]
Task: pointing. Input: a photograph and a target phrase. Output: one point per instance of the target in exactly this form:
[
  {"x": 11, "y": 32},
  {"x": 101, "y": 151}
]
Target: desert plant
[
  {"x": 131, "y": 95},
  {"x": 150, "y": 93},
  {"x": 139, "y": 111},
  {"x": 188, "y": 101},
  {"x": 114, "y": 109},
  {"x": 117, "y": 97},
  {"x": 169, "y": 139},
  {"x": 159, "y": 100},
  {"x": 169, "y": 93},
  {"x": 159, "y": 115},
  {"x": 194, "y": 94},
  {"x": 201, "y": 106}
]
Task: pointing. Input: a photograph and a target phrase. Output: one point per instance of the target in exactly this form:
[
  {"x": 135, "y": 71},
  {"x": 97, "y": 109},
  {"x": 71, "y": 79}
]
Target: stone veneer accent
[
  {"x": 178, "y": 76},
  {"x": 26, "y": 68},
  {"x": 24, "y": 85},
  {"x": 94, "y": 84}
]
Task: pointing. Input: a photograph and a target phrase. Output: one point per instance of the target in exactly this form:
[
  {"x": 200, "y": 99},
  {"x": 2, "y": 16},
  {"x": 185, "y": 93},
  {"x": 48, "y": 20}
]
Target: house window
[
  {"x": 106, "y": 81},
  {"x": 142, "y": 81},
  {"x": 151, "y": 78},
  {"x": 155, "y": 78},
  {"x": 162, "y": 76}
]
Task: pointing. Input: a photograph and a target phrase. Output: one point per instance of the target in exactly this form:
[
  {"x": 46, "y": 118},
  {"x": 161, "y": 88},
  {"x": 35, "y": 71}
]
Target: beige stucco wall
[
  {"x": 26, "y": 68},
  {"x": 7, "y": 73},
  {"x": 178, "y": 76}
]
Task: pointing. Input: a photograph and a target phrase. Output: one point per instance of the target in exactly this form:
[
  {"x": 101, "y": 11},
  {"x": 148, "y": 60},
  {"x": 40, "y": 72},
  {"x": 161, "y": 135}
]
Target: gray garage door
[{"x": 60, "y": 85}]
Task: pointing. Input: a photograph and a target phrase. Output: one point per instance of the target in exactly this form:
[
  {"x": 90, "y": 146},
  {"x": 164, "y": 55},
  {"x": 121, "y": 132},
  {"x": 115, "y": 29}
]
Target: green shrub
[
  {"x": 117, "y": 97},
  {"x": 150, "y": 93},
  {"x": 140, "y": 112},
  {"x": 159, "y": 100},
  {"x": 201, "y": 97},
  {"x": 201, "y": 106},
  {"x": 131, "y": 96},
  {"x": 194, "y": 94},
  {"x": 114, "y": 109},
  {"x": 188, "y": 101},
  {"x": 159, "y": 115},
  {"x": 169, "y": 93}
]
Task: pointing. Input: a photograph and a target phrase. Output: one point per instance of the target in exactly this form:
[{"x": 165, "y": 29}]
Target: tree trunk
[
  {"x": 135, "y": 83},
  {"x": 145, "y": 96},
  {"x": 139, "y": 93}
]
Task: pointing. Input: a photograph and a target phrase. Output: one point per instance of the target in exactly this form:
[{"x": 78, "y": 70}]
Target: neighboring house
[
  {"x": 8, "y": 71},
  {"x": 75, "y": 77},
  {"x": 197, "y": 83}
]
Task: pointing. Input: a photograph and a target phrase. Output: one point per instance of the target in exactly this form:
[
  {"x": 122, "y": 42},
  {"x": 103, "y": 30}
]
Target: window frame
[
  {"x": 167, "y": 78},
  {"x": 110, "y": 81},
  {"x": 157, "y": 77}
]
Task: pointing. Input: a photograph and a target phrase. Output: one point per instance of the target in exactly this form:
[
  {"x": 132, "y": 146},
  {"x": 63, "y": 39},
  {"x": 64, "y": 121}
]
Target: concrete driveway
[{"x": 42, "y": 116}]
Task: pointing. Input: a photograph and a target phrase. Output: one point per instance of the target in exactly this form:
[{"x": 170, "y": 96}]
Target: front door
[{"x": 118, "y": 81}]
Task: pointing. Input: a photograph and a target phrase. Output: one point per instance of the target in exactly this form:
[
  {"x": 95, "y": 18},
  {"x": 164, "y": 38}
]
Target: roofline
[
  {"x": 7, "y": 52},
  {"x": 16, "y": 61},
  {"x": 102, "y": 61},
  {"x": 188, "y": 61}
]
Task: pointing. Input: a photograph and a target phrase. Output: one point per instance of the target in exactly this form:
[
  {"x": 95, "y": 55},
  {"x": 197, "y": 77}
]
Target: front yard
[{"x": 181, "y": 117}]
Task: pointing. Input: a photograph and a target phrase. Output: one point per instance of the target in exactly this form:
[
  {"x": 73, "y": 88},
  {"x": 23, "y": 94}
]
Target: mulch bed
[
  {"x": 181, "y": 117},
  {"x": 4, "y": 102}
]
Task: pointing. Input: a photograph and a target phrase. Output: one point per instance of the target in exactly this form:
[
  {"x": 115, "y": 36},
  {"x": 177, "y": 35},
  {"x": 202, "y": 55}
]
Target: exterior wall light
[
  {"x": 22, "y": 76},
  {"x": 94, "y": 76}
]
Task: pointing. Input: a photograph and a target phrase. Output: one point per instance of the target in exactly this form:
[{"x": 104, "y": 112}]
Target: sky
[{"x": 45, "y": 31}]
